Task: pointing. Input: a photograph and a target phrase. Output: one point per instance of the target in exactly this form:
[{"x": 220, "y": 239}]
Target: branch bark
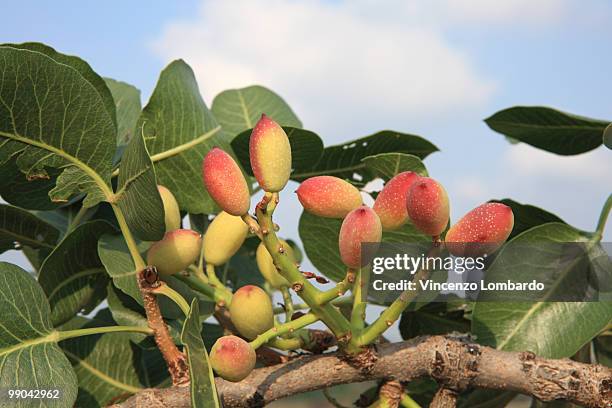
[
  {"x": 453, "y": 361},
  {"x": 444, "y": 398},
  {"x": 148, "y": 279}
]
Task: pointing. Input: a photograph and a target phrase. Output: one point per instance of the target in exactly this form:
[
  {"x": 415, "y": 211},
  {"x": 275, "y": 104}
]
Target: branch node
[{"x": 364, "y": 361}]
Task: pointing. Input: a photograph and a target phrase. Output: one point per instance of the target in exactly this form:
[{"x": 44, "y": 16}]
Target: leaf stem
[
  {"x": 139, "y": 263},
  {"x": 180, "y": 148},
  {"x": 603, "y": 217},
  {"x": 69, "y": 334},
  {"x": 176, "y": 297},
  {"x": 77, "y": 219},
  {"x": 284, "y": 328}
]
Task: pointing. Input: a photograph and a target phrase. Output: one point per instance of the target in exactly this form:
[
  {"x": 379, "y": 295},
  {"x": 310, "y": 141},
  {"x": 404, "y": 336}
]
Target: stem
[
  {"x": 253, "y": 225},
  {"x": 348, "y": 300},
  {"x": 77, "y": 219},
  {"x": 603, "y": 217},
  {"x": 338, "y": 290},
  {"x": 331, "y": 316},
  {"x": 293, "y": 343},
  {"x": 394, "y": 311},
  {"x": 407, "y": 402},
  {"x": 195, "y": 271},
  {"x": 69, "y": 334},
  {"x": 359, "y": 306},
  {"x": 283, "y": 328},
  {"x": 139, "y": 263},
  {"x": 197, "y": 283},
  {"x": 212, "y": 276},
  {"x": 176, "y": 297},
  {"x": 288, "y": 303}
]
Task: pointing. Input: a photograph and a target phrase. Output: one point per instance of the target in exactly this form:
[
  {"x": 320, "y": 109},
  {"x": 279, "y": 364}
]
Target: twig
[
  {"x": 148, "y": 281},
  {"x": 444, "y": 398}
]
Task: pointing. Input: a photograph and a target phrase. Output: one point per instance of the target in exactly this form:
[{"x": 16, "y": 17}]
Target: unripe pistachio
[
  {"x": 266, "y": 264},
  {"x": 360, "y": 225},
  {"x": 223, "y": 238},
  {"x": 232, "y": 358},
  {"x": 427, "y": 205},
  {"x": 390, "y": 204},
  {"x": 225, "y": 182},
  {"x": 251, "y": 311},
  {"x": 481, "y": 231},
  {"x": 175, "y": 252},
  {"x": 172, "y": 214},
  {"x": 270, "y": 154},
  {"x": 328, "y": 196}
]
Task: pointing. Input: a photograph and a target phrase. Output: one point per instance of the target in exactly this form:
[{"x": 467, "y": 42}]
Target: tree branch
[{"x": 453, "y": 361}]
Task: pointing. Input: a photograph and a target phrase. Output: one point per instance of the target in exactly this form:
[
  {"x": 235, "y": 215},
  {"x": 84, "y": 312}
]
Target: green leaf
[
  {"x": 126, "y": 311},
  {"x": 345, "y": 160},
  {"x": 320, "y": 238},
  {"x": 79, "y": 65},
  {"x": 541, "y": 327},
  {"x": 51, "y": 116},
  {"x": 239, "y": 109},
  {"x": 137, "y": 194},
  {"x": 603, "y": 350},
  {"x": 527, "y": 216},
  {"x": 127, "y": 105},
  {"x": 29, "y": 355},
  {"x": 306, "y": 148},
  {"x": 110, "y": 365},
  {"x": 549, "y": 129},
  {"x": 607, "y": 137},
  {"x": 117, "y": 261},
  {"x": 242, "y": 270},
  {"x": 434, "y": 318},
  {"x": 72, "y": 276},
  {"x": 26, "y": 229},
  {"x": 388, "y": 165},
  {"x": 176, "y": 118},
  {"x": 203, "y": 390},
  {"x": 210, "y": 333},
  {"x": 32, "y": 194}
]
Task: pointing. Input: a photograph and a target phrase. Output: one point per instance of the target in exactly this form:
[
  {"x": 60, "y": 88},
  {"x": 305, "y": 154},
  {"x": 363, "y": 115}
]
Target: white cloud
[
  {"x": 507, "y": 11},
  {"x": 473, "y": 189},
  {"x": 524, "y": 160},
  {"x": 358, "y": 59}
]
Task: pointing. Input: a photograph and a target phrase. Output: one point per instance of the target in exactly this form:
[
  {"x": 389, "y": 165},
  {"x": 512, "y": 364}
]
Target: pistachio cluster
[{"x": 406, "y": 198}]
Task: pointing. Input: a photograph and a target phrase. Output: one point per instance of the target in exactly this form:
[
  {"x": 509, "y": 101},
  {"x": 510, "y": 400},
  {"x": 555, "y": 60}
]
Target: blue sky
[{"x": 435, "y": 68}]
